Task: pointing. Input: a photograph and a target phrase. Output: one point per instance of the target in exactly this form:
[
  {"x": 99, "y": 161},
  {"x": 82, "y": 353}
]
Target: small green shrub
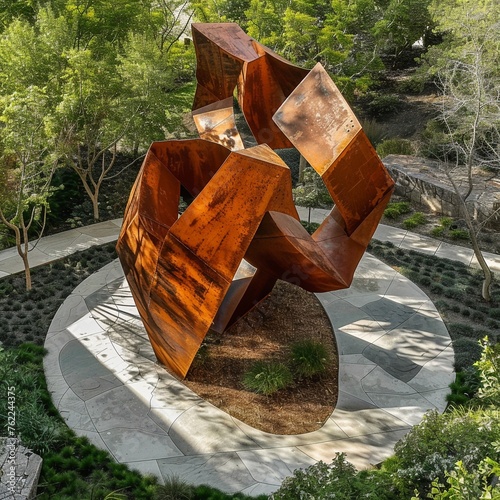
[
  {"x": 465, "y": 386},
  {"x": 395, "y": 147},
  {"x": 494, "y": 312},
  {"x": 446, "y": 222},
  {"x": 413, "y": 85},
  {"x": 467, "y": 352},
  {"x": 437, "y": 288},
  {"x": 489, "y": 371},
  {"x": 461, "y": 330},
  {"x": 310, "y": 226},
  {"x": 375, "y": 131},
  {"x": 463, "y": 483},
  {"x": 309, "y": 358},
  {"x": 267, "y": 378},
  {"x": 384, "y": 104},
  {"x": 442, "y": 305},
  {"x": 392, "y": 213},
  {"x": 319, "y": 481},
  {"x": 453, "y": 293},
  {"x": 396, "y": 209},
  {"x": 438, "y": 442},
  {"x": 459, "y": 234},
  {"x": 415, "y": 220},
  {"x": 437, "y": 231},
  {"x": 174, "y": 489}
]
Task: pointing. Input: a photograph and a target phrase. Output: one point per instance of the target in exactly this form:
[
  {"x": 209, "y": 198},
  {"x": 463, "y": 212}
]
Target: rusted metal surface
[{"x": 183, "y": 271}]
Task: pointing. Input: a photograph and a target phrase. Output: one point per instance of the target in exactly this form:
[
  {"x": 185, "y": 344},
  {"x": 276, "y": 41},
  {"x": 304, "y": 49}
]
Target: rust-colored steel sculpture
[{"x": 185, "y": 272}]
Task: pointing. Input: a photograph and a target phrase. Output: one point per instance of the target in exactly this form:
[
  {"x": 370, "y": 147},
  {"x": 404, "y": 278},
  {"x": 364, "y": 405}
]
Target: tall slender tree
[
  {"x": 26, "y": 168},
  {"x": 467, "y": 73}
]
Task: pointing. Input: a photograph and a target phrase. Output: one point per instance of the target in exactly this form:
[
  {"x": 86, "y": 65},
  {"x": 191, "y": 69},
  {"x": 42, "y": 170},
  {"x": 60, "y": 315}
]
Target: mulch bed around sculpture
[{"x": 288, "y": 315}]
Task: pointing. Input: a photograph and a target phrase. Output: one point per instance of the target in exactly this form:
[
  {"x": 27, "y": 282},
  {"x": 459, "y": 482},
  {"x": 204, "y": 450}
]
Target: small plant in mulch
[
  {"x": 415, "y": 220},
  {"x": 397, "y": 209},
  {"x": 267, "y": 377},
  {"x": 448, "y": 228},
  {"x": 309, "y": 359}
]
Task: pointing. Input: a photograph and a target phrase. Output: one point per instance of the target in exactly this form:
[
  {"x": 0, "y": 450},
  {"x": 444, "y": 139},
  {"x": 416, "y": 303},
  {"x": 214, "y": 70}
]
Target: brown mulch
[{"x": 288, "y": 315}]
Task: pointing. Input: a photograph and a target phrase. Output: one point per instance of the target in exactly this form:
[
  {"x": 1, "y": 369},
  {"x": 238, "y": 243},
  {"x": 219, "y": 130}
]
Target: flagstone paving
[{"x": 395, "y": 360}]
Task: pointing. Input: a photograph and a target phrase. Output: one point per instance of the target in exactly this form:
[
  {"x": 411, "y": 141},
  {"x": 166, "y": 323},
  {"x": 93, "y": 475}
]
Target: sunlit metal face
[{"x": 183, "y": 271}]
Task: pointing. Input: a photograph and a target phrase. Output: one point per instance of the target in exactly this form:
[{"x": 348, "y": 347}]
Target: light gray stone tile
[
  {"x": 73, "y": 309},
  {"x": 364, "y": 329},
  {"x": 74, "y": 412},
  {"x": 388, "y": 313},
  {"x": 147, "y": 468},
  {"x": 389, "y": 233},
  {"x": 398, "y": 366},
  {"x": 366, "y": 422},
  {"x": 437, "y": 398},
  {"x": 455, "y": 252},
  {"x": 164, "y": 417},
  {"x": 215, "y": 431},
  {"x": 354, "y": 359},
  {"x": 351, "y": 403},
  {"x": 328, "y": 432},
  {"x": 327, "y": 298},
  {"x": 420, "y": 243},
  {"x": 101, "y": 230},
  {"x": 438, "y": 373},
  {"x": 342, "y": 313},
  {"x": 172, "y": 394},
  {"x": 224, "y": 471},
  {"x": 134, "y": 445},
  {"x": 409, "y": 408},
  {"x": 379, "y": 381},
  {"x": 87, "y": 388},
  {"x": 77, "y": 363},
  {"x": 273, "y": 465},
  {"x": 418, "y": 347},
  {"x": 351, "y": 377},
  {"x": 121, "y": 407},
  {"x": 363, "y": 451},
  {"x": 54, "y": 345}
]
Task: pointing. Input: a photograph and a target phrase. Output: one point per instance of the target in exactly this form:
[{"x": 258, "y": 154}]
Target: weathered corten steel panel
[{"x": 182, "y": 270}]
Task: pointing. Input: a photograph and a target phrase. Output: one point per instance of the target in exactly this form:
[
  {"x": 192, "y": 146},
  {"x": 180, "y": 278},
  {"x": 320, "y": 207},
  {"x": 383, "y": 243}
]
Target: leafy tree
[
  {"x": 215, "y": 11},
  {"x": 26, "y": 167},
  {"x": 97, "y": 24},
  {"x": 154, "y": 65},
  {"x": 403, "y": 23},
  {"x": 91, "y": 118},
  {"x": 466, "y": 69},
  {"x": 346, "y": 36},
  {"x": 312, "y": 192}
]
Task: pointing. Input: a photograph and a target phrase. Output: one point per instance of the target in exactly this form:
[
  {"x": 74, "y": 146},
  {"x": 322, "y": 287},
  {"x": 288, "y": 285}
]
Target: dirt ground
[{"x": 288, "y": 315}]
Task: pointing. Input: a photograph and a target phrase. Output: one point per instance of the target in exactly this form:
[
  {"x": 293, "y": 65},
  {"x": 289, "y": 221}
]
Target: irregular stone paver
[{"x": 395, "y": 363}]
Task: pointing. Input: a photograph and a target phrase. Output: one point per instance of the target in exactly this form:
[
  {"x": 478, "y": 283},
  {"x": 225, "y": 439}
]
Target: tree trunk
[
  {"x": 488, "y": 277},
  {"x": 302, "y": 166},
  {"x": 95, "y": 206},
  {"x": 27, "y": 270}
]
